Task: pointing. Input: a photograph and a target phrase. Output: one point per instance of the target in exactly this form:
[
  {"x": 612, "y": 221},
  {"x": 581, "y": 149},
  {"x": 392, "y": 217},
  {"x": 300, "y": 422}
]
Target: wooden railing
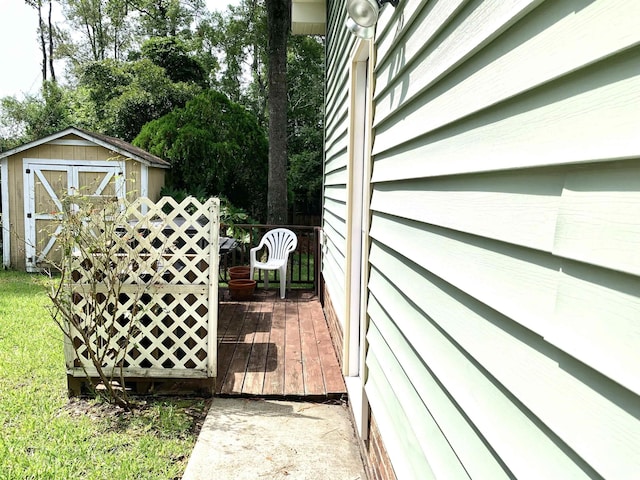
[{"x": 304, "y": 263}]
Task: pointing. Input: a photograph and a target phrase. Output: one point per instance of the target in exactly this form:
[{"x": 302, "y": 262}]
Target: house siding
[
  {"x": 504, "y": 285},
  {"x": 338, "y": 48}
]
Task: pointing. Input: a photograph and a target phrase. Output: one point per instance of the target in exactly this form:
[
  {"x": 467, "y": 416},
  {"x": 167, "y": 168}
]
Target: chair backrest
[{"x": 280, "y": 242}]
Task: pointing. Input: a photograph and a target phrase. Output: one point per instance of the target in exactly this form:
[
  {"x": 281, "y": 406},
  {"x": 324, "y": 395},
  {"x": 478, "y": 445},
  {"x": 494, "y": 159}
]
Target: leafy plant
[
  {"x": 230, "y": 219},
  {"x": 231, "y": 216},
  {"x": 89, "y": 302}
]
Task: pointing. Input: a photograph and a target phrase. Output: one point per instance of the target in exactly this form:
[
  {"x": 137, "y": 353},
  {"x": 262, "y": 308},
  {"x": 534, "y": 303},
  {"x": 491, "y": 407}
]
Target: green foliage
[
  {"x": 305, "y": 181},
  {"x": 111, "y": 97},
  {"x": 166, "y": 18},
  {"x": 103, "y": 29},
  {"x": 241, "y": 34},
  {"x": 305, "y": 66},
  {"x": 231, "y": 217},
  {"x": 36, "y": 116},
  {"x": 179, "y": 194},
  {"x": 171, "y": 54},
  {"x": 126, "y": 95},
  {"x": 237, "y": 39},
  {"x": 156, "y": 55},
  {"x": 215, "y": 146},
  {"x": 100, "y": 29}
]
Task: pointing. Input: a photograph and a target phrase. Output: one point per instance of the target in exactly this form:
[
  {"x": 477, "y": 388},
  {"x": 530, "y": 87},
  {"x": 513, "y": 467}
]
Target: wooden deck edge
[
  {"x": 205, "y": 387},
  {"x": 337, "y": 397}
]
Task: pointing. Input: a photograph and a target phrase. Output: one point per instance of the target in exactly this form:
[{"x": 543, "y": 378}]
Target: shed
[{"x": 35, "y": 175}]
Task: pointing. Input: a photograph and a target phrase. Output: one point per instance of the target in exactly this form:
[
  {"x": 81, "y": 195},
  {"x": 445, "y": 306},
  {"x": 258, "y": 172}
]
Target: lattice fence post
[{"x": 214, "y": 267}]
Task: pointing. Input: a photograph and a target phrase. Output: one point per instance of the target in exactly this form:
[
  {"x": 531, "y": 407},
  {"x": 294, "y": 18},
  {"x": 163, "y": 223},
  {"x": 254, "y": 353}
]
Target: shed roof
[{"x": 111, "y": 143}]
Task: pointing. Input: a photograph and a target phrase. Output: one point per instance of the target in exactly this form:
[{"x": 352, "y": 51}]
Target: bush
[{"x": 216, "y": 148}]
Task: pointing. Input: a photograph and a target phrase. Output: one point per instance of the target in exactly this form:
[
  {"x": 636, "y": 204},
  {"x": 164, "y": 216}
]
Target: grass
[{"x": 46, "y": 435}]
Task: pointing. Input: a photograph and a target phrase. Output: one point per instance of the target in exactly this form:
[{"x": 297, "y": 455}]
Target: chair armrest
[{"x": 252, "y": 254}]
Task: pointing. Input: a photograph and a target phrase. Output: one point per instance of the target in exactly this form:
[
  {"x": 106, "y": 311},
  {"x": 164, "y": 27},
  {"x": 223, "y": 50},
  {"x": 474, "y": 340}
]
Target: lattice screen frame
[{"x": 166, "y": 313}]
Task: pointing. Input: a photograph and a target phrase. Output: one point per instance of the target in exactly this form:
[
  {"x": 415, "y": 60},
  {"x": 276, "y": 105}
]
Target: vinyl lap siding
[
  {"x": 338, "y": 48},
  {"x": 504, "y": 293}
]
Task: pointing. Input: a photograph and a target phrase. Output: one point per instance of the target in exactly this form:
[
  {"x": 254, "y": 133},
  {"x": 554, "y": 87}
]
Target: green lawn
[{"x": 47, "y": 436}]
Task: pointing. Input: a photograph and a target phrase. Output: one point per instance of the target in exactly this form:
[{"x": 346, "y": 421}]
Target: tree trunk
[
  {"x": 43, "y": 45},
  {"x": 278, "y": 20},
  {"x": 51, "y": 70}
]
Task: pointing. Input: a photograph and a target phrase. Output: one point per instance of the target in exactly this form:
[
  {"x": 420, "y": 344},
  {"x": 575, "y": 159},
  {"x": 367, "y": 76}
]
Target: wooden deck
[{"x": 270, "y": 347}]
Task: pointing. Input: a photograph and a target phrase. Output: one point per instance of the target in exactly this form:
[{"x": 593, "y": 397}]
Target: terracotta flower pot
[
  {"x": 239, "y": 272},
  {"x": 241, "y": 289}
]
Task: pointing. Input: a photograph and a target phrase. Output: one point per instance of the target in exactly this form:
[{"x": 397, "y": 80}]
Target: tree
[
  {"x": 166, "y": 18},
  {"x": 171, "y": 54},
  {"x": 46, "y": 34},
  {"x": 36, "y": 117},
  {"x": 234, "y": 45},
  {"x": 114, "y": 29},
  {"x": 216, "y": 148},
  {"x": 243, "y": 53},
  {"x": 305, "y": 71},
  {"x": 278, "y": 21},
  {"x": 239, "y": 38},
  {"x": 100, "y": 27},
  {"x": 111, "y": 97},
  {"x": 123, "y": 96}
]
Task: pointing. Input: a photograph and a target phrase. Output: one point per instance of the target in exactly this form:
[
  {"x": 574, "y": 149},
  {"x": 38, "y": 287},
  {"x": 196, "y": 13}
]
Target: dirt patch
[{"x": 193, "y": 408}]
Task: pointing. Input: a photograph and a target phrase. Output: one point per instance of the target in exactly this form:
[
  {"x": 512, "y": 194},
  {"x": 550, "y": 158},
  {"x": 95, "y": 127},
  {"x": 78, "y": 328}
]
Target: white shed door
[{"x": 45, "y": 186}]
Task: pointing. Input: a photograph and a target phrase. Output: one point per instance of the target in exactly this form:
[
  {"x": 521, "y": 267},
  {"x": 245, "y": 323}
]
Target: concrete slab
[{"x": 253, "y": 439}]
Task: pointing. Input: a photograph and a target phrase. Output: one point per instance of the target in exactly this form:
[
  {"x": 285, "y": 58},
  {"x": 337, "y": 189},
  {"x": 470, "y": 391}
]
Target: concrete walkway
[{"x": 268, "y": 439}]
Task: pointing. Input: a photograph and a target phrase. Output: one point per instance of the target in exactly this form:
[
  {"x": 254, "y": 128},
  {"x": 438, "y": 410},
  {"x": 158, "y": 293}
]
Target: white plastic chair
[{"x": 280, "y": 242}]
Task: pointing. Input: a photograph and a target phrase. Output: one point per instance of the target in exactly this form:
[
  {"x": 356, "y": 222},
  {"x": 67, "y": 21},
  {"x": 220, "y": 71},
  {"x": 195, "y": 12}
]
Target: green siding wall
[
  {"x": 504, "y": 290},
  {"x": 338, "y": 47}
]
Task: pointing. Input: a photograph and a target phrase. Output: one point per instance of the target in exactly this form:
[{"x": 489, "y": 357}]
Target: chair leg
[{"x": 283, "y": 281}]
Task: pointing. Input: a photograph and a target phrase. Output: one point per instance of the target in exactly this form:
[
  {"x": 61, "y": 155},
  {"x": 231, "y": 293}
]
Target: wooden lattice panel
[{"x": 157, "y": 318}]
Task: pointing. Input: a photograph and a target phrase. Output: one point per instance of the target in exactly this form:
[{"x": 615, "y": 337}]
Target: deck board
[
  {"x": 293, "y": 381},
  {"x": 227, "y": 340},
  {"x": 271, "y": 347},
  {"x": 254, "y": 376},
  {"x": 238, "y": 354},
  {"x": 312, "y": 366},
  {"x": 331, "y": 370},
  {"x": 274, "y": 378}
]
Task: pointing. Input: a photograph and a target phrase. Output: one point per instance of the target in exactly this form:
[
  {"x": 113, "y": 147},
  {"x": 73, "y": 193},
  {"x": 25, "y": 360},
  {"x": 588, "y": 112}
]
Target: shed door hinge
[
  {"x": 28, "y": 170},
  {"x": 28, "y": 215}
]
